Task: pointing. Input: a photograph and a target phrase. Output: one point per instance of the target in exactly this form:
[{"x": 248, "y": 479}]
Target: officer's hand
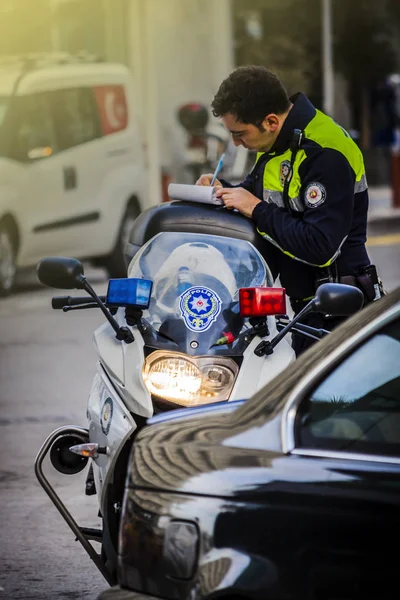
[
  {"x": 239, "y": 198},
  {"x": 206, "y": 180}
]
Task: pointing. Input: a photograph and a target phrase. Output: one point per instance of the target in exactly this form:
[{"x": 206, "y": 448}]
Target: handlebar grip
[{"x": 58, "y": 302}]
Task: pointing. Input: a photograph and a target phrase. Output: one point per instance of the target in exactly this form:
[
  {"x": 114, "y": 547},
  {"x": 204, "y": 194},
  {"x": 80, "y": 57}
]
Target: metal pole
[
  {"x": 153, "y": 98},
  {"x": 222, "y": 46},
  {"x": 55, "y": 27},
  {"x": 327, "y": 58}
]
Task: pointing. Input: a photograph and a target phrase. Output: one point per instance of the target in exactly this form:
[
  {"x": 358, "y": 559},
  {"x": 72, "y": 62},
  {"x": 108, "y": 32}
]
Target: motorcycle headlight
[{"x": 189, "y": 381}]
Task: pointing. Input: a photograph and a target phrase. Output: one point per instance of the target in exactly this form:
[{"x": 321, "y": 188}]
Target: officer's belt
[{"x": 362, "y": 282}]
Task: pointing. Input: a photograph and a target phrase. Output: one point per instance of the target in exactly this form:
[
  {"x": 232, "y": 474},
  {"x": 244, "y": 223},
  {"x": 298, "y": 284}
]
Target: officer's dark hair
[{"x": 250, "y": 93}]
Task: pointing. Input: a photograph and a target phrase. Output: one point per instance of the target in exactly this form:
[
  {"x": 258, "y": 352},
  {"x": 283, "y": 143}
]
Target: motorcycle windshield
[{"x": 196, "y": 278}]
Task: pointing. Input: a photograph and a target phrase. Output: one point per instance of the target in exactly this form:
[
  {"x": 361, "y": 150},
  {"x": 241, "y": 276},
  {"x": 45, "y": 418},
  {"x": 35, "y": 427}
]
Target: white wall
[{"x": 180, "y": 52}]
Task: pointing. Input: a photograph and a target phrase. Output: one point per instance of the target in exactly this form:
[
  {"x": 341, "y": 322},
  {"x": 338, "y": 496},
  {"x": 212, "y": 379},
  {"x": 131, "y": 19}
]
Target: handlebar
[
  {"x": 305, "y": 330},
  {"x": 58, "y": 302}
]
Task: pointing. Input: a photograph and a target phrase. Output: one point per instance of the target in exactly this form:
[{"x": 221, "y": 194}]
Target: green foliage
[
  {"x": 340, "y": 402},
  {"x": 366, "y": 42},
  {"x": 284, "y": 45},
  {"x": 366, "y": 37}
]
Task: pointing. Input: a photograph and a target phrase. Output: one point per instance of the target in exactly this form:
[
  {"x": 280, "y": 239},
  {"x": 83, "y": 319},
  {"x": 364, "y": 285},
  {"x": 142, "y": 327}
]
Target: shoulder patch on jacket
[{"x": 315, "y": 194}]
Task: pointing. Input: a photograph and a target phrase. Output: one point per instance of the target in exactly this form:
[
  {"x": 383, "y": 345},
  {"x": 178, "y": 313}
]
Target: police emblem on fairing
[
  {"x": 199, "y": 307},
  {"x": 284, "y": 171},
  {"x": 315, "y": 194}
]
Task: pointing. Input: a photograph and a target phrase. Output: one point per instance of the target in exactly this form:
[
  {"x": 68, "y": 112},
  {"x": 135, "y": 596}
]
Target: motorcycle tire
[{"x": 115, "y": 263}]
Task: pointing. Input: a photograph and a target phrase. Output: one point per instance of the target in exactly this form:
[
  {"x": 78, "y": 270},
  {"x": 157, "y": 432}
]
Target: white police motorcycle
[{"x": 194, "y": 323}]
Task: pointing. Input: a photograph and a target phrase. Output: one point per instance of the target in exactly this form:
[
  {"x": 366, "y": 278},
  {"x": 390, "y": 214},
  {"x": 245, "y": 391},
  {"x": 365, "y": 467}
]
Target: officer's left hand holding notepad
[{"x": 198, "y": 193}]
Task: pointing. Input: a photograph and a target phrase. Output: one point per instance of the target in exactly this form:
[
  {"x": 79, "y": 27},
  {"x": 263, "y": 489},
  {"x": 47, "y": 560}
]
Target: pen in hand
[{"x": 218, "y": 168}]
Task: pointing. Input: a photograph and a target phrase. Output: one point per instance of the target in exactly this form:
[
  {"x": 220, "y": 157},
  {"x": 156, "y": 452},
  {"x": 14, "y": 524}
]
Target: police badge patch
[
  {"x": 199, "y": 307},
  {"x": 315, "y": 194},
  {"x": 284, "y": 169}
]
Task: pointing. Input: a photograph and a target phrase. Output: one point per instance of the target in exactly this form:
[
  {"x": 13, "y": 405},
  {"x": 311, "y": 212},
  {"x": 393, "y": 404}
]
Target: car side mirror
[
  {"x": 337, "y": 299},
  {"x": 61, "y": 272}
]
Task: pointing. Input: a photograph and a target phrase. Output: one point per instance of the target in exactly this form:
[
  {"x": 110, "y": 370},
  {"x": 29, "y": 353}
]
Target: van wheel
[
  {"x": 7, "y": 261},
  {"x": 115, "y": 263}
]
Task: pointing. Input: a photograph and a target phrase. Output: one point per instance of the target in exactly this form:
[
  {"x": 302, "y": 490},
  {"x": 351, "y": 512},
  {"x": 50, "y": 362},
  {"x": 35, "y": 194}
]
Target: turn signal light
[
  {"x": 89, "y": 450},
  {"x": 262, "y": 301}
]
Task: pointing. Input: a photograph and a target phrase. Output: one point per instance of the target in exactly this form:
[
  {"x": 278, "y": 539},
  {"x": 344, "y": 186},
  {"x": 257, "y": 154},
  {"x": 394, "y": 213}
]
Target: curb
[
  {"x": 383, "y": 214},
  {"x": 381, "y": 209},
  {"x": 384, "y": 221}
]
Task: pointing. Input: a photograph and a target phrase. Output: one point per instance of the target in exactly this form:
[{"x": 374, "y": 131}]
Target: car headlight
[{"x": 189, "y": 381}]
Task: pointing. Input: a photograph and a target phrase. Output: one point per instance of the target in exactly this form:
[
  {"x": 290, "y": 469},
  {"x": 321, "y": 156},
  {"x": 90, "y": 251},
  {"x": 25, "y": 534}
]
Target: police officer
[{"x": 307, "y": 193}]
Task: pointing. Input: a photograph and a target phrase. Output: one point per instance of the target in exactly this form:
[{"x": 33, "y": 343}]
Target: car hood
[
  {"x": 195, "y": 411},
  {"x": 234, "y": 448},
  {"x": 198, "y": 451},
  {"x": 217, "y": 454}
]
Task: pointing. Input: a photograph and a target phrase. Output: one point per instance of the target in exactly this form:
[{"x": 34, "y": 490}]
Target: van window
[
  {"x": 75, "y": 117},
  {"x": 29, "y": 127}
]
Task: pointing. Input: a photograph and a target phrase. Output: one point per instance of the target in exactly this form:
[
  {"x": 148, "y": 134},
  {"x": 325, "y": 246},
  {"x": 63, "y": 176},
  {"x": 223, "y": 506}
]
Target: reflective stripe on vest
[
  {"x": 327, "y": 264},
  {"x": 327, "y": 134}
]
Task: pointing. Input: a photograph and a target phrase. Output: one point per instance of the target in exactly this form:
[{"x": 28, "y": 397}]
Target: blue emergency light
[{"x": 129, "y": 291}]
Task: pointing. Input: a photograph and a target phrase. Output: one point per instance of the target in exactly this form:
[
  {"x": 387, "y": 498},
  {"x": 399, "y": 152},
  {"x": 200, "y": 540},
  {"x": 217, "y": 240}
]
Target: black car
[{"x": 291, "y": 495}]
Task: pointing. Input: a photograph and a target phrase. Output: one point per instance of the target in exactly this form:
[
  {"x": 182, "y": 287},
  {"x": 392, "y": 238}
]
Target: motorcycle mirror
[
  {"x": 337, "y": 299},
  {"x": 334, "y": 299},
  {"x": 193, "y": 116},
  {"x": 61, "y": 272}
]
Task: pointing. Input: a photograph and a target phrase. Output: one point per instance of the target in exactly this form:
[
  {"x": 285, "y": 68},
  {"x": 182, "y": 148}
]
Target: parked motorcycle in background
[
  {"x": 207, "y": 141},
  {"x": 197, "y": 321}
]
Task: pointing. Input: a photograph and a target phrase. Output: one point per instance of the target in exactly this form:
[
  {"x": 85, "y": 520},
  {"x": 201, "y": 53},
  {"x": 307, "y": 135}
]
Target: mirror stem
[
  {"x": 266, "y": 347},
  {"x": 123, "y": 333}
]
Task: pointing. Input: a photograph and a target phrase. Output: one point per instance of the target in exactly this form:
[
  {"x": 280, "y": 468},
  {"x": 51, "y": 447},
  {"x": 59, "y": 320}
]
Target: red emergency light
[{"x": 262, "y": 301}]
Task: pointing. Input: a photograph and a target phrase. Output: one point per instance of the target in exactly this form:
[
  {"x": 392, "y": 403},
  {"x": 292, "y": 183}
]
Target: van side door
[
  {"x": 33, "y": 173},
  {"x": 79, "y": 140}
]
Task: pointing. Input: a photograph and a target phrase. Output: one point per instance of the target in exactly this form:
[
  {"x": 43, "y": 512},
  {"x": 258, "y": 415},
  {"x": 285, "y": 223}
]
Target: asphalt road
[{"x": 46, "y": 368}]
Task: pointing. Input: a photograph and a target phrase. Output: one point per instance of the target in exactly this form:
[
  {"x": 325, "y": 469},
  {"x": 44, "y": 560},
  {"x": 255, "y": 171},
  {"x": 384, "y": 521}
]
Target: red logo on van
[{"x": 112, "y": 107}]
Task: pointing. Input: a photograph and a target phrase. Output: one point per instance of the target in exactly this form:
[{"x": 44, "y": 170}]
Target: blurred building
[{"x": 178, "y": 51}]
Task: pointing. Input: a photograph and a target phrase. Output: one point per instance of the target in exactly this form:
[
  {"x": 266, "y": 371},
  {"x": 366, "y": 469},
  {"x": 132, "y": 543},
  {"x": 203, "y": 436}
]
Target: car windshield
[{"x": 196, "y": 278}]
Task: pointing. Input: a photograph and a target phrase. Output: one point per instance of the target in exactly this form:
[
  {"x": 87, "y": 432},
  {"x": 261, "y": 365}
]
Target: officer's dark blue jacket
[{"x": 324, "y": 225}]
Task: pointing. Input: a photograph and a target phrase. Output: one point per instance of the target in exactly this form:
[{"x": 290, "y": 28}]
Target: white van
[{"x": 72, "y": 165}]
